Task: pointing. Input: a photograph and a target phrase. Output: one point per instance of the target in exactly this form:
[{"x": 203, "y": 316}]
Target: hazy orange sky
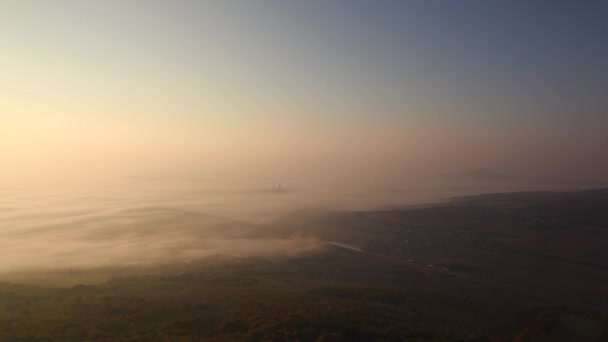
[{"x": 342, "y": 88}]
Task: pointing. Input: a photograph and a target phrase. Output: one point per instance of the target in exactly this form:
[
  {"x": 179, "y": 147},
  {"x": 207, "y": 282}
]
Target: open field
[{"x": 499, "y": 267}]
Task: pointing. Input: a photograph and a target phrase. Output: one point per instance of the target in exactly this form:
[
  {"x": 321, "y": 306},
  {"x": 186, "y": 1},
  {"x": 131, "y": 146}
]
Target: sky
[{"x": 367, "y": 89}]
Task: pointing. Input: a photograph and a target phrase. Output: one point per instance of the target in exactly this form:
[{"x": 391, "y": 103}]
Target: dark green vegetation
[
  {"x": 263, "y": 300},
  {"x": 508, "y": 267}
]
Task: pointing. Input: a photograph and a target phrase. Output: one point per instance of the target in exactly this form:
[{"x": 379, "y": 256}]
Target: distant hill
[
  {"x": 477, "y": 174},
  {"x": 580, "y": 198}
]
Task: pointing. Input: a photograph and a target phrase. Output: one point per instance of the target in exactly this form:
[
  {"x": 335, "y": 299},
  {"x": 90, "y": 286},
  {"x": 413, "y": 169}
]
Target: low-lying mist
[
  {"x": 93, "y": 233},
  {"x": 143, "y": 220}
]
